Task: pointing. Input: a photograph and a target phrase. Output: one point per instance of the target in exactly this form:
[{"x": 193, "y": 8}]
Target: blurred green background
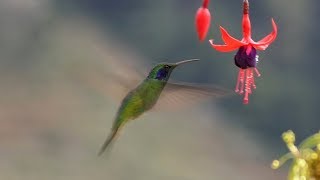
[{"x": 53, "y": 123}]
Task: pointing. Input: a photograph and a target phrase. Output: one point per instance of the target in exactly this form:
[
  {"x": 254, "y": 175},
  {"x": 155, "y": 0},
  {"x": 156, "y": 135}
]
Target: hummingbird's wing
[
  {"x": 114, "y": 74},
  {"x": 181, "y": 95},
  {"x": 115, "y": 84}
]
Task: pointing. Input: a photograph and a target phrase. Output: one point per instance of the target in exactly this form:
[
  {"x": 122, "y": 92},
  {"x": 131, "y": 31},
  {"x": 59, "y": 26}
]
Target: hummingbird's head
[{"x": 163, "y": 71}]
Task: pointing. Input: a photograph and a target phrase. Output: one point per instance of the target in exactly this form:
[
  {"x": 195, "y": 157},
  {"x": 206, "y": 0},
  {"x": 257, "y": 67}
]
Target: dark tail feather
[{"x": 108, "y": 141}]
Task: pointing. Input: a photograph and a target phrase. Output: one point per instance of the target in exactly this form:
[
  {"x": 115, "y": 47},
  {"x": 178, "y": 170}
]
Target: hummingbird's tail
[{"x": 108, "y": 141}]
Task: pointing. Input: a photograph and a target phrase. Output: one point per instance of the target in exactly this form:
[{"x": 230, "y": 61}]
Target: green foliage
[{"x": 305, "y": 158}]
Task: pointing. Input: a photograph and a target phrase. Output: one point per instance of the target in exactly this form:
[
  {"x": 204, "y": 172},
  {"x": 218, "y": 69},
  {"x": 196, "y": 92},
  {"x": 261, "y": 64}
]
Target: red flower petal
[
  {"x": 203, "y": 18},
  {"x": 266, "y": 41},
  {"x": 229, "y": 40},
  {"x": 223, "y": 48},
  {"x": 260, "y": 47}
]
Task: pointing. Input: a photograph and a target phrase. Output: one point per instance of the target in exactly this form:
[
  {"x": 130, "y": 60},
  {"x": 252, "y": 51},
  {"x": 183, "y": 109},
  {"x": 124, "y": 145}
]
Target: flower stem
[
  {"x": 245, "y": 7},
  {"x": 205, "y": 3}
]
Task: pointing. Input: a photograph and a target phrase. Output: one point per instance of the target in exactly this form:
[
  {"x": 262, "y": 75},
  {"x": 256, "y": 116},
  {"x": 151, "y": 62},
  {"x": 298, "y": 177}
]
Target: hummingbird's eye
[
  {"x": 166, "y": 66},
  {"x": 162, "y": 74}
]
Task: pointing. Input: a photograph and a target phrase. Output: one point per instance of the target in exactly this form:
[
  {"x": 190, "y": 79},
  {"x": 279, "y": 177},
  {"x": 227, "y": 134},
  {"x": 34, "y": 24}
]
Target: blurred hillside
[{"x": 53, "y": 123}]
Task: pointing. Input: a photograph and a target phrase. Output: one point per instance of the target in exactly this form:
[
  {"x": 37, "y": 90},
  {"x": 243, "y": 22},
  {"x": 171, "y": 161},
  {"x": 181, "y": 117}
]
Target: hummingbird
[{"x": 156, "y": 89}]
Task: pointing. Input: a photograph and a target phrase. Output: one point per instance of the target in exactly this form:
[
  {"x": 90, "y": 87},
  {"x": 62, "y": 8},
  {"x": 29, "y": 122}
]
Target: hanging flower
[
  {"x": 246, "y": 58},
  {"x": 306, "y": 157},
  {"x": 202, "y": 20}
]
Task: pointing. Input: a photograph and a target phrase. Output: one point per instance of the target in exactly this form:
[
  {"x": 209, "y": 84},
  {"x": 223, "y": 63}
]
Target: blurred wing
[
  {"x": 181, "y": 95},
  {"x": 116, "y": 81},
  {"x": 97, "y": 61},
  {"x": 113, "y": 71}
]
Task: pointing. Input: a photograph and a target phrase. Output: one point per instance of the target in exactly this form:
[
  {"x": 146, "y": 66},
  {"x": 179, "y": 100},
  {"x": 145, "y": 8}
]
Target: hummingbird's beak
[{"x": 186, "y": 61}]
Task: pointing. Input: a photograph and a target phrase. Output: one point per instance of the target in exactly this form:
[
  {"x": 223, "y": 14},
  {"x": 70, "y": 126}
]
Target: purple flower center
[{"x": 244, "y": 60}]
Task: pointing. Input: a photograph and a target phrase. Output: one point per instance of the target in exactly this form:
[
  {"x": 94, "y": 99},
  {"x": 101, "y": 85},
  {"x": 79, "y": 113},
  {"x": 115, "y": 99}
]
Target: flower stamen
[
  {"x": 240, "y": 81},
  {"x": 245, "y": 82}
]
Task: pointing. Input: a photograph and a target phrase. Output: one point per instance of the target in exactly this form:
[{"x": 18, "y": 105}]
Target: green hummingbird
[{"x": 156, "y": 90}]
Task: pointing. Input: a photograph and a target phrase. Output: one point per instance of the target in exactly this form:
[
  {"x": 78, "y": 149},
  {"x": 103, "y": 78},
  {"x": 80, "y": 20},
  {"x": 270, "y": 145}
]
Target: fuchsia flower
[
  {"x": 246, "y": 58},
  {"x": 202, "y": 20}
]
